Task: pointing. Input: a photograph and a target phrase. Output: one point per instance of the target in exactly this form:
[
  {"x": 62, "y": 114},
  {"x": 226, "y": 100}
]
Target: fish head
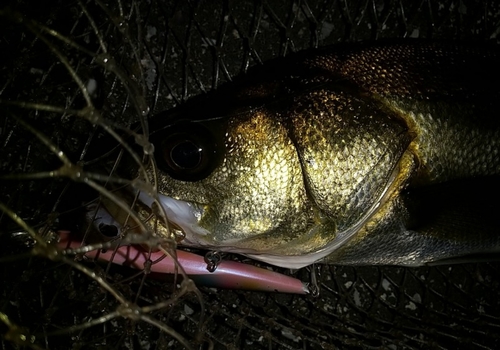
[
  {"x": 286, "y": 181},
  {"x": 283, "y": 186},
  {"x": 240, "y": 175}
]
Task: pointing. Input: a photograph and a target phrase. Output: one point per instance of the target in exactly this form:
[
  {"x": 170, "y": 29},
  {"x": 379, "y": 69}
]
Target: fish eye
[
  {"x": 186, "y": 151},
  {"x": 185, "y": 155}
]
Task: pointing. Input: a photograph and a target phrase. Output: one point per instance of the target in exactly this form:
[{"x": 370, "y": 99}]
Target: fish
[{"x": 381, "y": 153}]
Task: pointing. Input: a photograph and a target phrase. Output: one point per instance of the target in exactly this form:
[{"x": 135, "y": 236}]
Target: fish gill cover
[{"x": 74, "y": 72}]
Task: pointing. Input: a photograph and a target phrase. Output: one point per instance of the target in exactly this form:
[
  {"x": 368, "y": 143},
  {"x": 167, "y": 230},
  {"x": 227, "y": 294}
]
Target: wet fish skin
[{"x": 321, "y": 155}]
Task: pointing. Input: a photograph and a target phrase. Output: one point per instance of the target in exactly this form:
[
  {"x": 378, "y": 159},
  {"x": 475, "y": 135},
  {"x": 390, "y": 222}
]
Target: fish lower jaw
[{"x": 186, "y": 216}]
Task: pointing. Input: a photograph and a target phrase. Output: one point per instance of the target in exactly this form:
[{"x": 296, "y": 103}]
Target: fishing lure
[{"x": 227, "y": 274}]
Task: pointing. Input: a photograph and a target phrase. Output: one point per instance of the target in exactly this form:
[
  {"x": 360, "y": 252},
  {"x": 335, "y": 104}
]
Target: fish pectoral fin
[{"x": 469, "y": 258}]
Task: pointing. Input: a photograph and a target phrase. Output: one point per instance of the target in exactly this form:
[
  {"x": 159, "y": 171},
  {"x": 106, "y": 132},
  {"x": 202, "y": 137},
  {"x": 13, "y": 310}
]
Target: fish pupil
[{"x": 186, "y": 155}]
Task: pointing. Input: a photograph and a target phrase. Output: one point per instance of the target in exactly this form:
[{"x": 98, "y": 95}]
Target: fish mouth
[
  {"x": 183, "y": 218},
  {"x": 184, "y": 215}
]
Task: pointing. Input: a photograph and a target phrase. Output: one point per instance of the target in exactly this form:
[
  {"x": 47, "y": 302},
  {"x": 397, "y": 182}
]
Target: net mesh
[{"x": 145, "y": 57}]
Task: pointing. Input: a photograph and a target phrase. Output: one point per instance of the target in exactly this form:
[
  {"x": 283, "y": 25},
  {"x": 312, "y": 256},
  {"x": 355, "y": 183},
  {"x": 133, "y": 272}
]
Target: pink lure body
[{"x": 229, "y": 274}]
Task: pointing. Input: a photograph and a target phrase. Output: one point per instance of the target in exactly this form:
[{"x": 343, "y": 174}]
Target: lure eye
[
  {"x": 108, "y": 230},
  {"x": 187, "y": 151}
]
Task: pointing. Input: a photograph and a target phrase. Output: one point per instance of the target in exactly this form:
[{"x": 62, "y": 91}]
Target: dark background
[{"x": 169, "y": 51}]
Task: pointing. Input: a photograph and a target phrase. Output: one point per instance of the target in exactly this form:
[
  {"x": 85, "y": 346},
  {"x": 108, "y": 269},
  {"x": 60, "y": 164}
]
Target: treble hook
[{"x": 213, "y": 260}]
